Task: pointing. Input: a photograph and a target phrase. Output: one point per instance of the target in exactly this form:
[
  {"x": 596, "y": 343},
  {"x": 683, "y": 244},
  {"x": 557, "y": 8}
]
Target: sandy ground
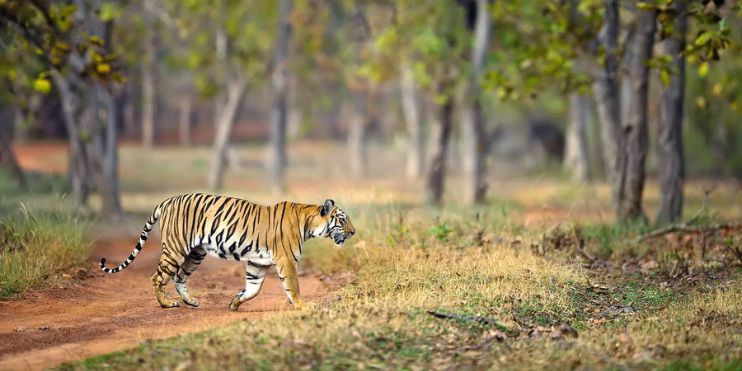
[{"x": 103, "y": 313}]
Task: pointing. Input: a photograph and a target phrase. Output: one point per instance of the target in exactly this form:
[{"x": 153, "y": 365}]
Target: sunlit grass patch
[
  {"x": 699, "y": 331},
  {"x": 34, "y": 245}
]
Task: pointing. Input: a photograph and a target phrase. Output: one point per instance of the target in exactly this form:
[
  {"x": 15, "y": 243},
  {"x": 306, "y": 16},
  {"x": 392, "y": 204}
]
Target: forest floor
[{"x": 501, "y": 285}]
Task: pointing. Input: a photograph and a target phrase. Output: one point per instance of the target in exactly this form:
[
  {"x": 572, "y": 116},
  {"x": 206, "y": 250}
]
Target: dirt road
[{"x": 104, "y": 313}]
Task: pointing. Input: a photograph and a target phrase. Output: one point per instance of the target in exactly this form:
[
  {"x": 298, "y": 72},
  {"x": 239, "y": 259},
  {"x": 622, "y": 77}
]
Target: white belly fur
[{"x": 263, "y": 257}]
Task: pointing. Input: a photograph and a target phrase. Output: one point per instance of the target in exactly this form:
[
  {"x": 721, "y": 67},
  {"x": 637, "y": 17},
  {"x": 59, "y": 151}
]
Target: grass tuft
[{"x": 35, "y": 245}]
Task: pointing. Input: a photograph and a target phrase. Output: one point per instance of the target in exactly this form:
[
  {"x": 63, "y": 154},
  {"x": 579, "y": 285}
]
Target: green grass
[{"x": 36, "y": 245}]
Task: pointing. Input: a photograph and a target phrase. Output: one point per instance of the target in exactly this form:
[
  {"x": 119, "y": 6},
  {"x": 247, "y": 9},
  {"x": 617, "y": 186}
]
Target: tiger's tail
[{"x": 142, "y": 239}]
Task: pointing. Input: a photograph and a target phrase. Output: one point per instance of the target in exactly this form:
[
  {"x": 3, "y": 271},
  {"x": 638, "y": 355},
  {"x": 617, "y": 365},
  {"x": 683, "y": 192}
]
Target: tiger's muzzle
[{"x": 340, "y": 237}]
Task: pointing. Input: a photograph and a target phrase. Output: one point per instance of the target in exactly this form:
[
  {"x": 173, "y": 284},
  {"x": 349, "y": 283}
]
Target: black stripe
[{"x": 236, "y": 256}]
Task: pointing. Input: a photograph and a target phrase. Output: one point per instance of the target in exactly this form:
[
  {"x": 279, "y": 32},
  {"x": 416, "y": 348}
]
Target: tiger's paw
[
  {"x": 235, "y": 304},
  {"x": 170, "y": 304},
  {"x": 192, "y": 302},
  {"x": 301, "y": 305}
]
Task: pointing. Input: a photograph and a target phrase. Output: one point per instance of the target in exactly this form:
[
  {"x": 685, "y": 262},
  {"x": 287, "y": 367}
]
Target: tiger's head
[{"x": 332, "y": 223}]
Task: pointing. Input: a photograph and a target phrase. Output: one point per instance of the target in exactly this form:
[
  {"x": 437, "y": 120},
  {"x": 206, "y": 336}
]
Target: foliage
[
  {"x": 248, "y": 28},
  {"x": 53, "y": 33}
]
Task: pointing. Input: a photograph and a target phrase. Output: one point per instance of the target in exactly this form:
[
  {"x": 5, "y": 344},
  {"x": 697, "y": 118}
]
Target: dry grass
[
  {"x": 407, "y": 262},
  {"x": 35, "y": 245}
]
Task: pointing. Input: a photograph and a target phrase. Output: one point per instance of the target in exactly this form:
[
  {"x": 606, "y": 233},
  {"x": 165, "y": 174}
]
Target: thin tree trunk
[
  {"x": 670, "y": 135},
  {"x": 576, "y": 147},
  {"x": 130, "y": 110},
  {"x": 474, "y": 120},
  {"x": 437, "y": 165},
  {"x": 185, "y": 110},
  {"x": 222, "y": 66},
  {"x": 109, "y": 180},
  {"x": 7, "y": 156},
  {"x": 277, "y": 160},
  {"x": 635, "y": 129},
  {"x": 235, "y": 90},
  {"x": 79, "y": 171},
  {"x": 19, "y": 126},
  {"x": 149, "y": 94},
  {"x": 608, "y": 100},
  {"x": 411, "y": 112},
  {"x": 357, "y": 134}
]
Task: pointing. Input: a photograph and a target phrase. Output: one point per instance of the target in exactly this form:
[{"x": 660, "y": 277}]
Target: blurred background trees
[{"x": 610, "y": 89}]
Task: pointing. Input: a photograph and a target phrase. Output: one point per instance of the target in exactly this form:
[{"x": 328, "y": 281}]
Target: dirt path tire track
[{"x": 106, "y": 313}]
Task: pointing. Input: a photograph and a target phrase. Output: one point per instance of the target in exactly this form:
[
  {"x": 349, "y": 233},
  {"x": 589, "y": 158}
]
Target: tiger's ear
[{"x": 326, "y": 207}]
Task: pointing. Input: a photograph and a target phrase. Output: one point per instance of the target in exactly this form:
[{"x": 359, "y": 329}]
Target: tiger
[{"x": 197, "y": 224}]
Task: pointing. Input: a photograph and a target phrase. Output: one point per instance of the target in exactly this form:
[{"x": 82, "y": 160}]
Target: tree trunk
[
  {"x": 607, "y": 96},
  {"x": 277, "y": 160},
  {"x": 7, "y": 156},
  {"x": 108, "y": 177},
  {"x": 437, "y": 165},
  {"x": 149, "y": 94},
  {"x": 357, "y": 134},
  {"x": 474, "y": 121},
  {"x": 576, "y": 148},
  {"x": 185, "y": 110},
  {"x": 79, "y": 170},
  {"x": 19, "y": 126},
  {"x": 670, "y": 135},
  {"x": 635, "y": 129},
  {"x": 235, "y": 90},
  {"x": 411, "y": 112}
]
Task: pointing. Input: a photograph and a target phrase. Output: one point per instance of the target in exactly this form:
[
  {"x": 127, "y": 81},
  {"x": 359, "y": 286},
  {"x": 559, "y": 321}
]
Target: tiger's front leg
[
  {"x": 254, "y": 277},
  {"x": 290, "y": 282}
]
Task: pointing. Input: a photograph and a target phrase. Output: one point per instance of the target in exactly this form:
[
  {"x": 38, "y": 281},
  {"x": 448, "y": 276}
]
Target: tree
[
  {"x": 277, "y": 159},
  {"x": 7, "y": 156},
  {"x": 670, "y": 134},
  {"x": 70, "y": 41},
  {"x": 413, "y": 121},
  {"x": 359, "y": 87},
  {"x": 436, "y": 175},
  {"x": 607, "y": 97},
  {"x": 474, "y": 132},
  {"x": 632, "y": 175},
  {"x": 576, "y": 147},
  {"x": 149, "y": 64},
  {"x": 225, "y": 44}
]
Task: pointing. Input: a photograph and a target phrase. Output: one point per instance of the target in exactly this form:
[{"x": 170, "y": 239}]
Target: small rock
[
  {"x": 66, "y": 276},
  {"x": 44, "y": 328},
  {"x": 20, "y": 329}
]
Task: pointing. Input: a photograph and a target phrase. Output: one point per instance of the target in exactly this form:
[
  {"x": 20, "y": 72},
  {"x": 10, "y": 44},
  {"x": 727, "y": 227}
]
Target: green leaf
[
  {"x": 103, "y": 68},
  {"x": 42, "y": 85},
  {"x": 703, "y": 69},
  {"x": 704, "y": 38},
  {"x": 665, "y": 77},
  {"x": 110, "y": 11}
]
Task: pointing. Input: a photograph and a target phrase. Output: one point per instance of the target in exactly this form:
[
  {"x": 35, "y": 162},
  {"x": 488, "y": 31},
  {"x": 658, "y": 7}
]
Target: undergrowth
[{"x": 34, "y": 245}]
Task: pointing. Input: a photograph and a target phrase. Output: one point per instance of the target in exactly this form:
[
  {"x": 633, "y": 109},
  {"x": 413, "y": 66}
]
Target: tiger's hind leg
[
  {"x": 166, "y": 269},
  {"x": 254, "y": 277},
  {"x": 195, "y": 257}
]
